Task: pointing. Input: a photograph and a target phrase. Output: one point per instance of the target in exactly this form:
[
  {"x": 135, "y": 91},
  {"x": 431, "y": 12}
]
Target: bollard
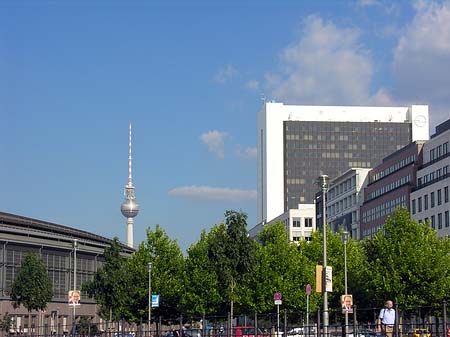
[
  {"x": 203, "y": 326},
  {"x": 319, "y": 333},
  {"x": 285, "y": 323},
  {"x": 444, "y": 322},
  {"x": 396, "y": 321}
]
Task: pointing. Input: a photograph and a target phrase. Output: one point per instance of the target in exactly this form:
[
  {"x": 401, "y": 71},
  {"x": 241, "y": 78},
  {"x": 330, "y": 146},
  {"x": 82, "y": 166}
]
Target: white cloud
[
  {"x": 225, "y": 74},
  {"x": 247, "y": 153},
  {"x": 252, "y": 85},
  {"x": 327, "y": 65},
  {"x": 367, "y": 3},
  {"x": 215, "y": 141},
  {"x": 422, "y": 59},
  {"x": 388, "y": 7},
  {"x": 213, "y": 193}
]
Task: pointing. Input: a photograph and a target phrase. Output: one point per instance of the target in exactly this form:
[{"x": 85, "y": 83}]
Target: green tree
[
  {"x": 32, "y": 287},
  {"x": 6, "y": 322},
  {"x": 86, "y": 328},
  {"x": 280, "y": 267},
  {"x": 109, "y": 286},
  {"x": 201, "y": 295},
  {"x": 356, "y": 260},
  {"x": 408, "y": 263},
  {"x": 166, "y": 277},
  {"x": 232, "y": 252}
]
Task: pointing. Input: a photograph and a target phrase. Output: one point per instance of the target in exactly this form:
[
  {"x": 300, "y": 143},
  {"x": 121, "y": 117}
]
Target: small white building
[{"x": 299, "y": 223}]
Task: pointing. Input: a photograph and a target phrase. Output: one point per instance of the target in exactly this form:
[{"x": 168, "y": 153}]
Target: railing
[{"x": 432, "y": 322}]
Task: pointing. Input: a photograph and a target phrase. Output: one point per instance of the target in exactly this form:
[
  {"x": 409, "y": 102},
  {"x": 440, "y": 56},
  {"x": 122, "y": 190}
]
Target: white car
[{"x": 295, "y": 332}]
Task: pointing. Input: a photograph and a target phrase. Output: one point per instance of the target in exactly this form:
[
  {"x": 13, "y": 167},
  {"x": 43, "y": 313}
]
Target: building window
[
  {"x": 439, "y": 220},
  {"x": 296, "y": 238},
  {"x": 413, "y": 206},
  {"x": 308, "y": 238},
  {"x": 447, "y": 219},
  {"x": 433, "y": 222},
  {"x": 296, "y": 222},
  {"x": 439, "y": 197},
  {"x": 425, "y": 201},
  {"x": 432, "y": 154},
  {"x": 432, "y": 199},
  {"x": 308, "y": 222},
  {"x": 419, "y": 204},
  {"x": 446, "y": 193}
]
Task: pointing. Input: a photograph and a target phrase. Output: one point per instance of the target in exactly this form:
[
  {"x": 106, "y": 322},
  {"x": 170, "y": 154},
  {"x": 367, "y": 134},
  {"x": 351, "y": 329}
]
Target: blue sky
[{"x": 189, "y": 76}]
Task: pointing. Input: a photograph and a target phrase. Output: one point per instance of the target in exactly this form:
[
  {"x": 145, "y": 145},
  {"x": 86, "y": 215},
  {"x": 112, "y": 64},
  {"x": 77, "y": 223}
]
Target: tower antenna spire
[
  {"x": 130, "y": 207},
  {"x": 130, "y": 177}
]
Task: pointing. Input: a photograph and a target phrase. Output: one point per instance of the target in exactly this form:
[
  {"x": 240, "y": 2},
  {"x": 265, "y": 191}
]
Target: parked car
[
  {"x": 125, "y": 334},
  {"x": 295, "y": 332},
  {"x": 193, "y": 332},
  {"x": 421, "y": 332},
  {"x": 369, "y": 333},
  {"x": 240, "y": 331},
  {"x": 302, "y": 331}
]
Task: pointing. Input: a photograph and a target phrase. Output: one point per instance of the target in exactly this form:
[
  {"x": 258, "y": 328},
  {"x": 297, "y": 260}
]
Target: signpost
[{"x": 278, "y": 302}]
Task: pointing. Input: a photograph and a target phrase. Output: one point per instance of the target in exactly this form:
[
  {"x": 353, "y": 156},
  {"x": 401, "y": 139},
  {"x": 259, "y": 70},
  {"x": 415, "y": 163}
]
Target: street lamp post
[
  {"x": 150, "y": 265},
  {"x": 345, "y": 238},
  {"x": 75, "y": 246},
  {"x": 323, "y": 183}
]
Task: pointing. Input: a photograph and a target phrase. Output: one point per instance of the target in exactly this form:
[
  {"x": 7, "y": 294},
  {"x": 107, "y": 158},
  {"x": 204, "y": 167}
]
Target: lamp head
[
  {"x": 345, "y": 235},
  {"x": 322, "y": 181}
]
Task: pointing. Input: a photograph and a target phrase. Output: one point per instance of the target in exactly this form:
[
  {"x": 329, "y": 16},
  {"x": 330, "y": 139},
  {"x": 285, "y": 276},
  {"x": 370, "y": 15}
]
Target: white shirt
[{"x": 387, "y": 316}]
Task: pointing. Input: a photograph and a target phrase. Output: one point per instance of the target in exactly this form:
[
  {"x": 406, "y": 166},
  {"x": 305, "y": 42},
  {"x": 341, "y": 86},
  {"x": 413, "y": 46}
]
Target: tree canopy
[
  {"x": 408, "y": 263},
  {"x": 32, "y": 287},
  {"x": 226, "y": 270}
]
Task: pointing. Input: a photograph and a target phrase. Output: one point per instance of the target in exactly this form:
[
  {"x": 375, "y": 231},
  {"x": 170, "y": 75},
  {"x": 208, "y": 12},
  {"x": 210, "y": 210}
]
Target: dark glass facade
[{"x": 313, "y": 148}]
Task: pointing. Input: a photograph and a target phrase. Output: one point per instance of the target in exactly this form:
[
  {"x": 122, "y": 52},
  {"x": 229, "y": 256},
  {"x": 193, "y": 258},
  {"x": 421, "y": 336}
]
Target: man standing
[{"x": 386, "y": 319}]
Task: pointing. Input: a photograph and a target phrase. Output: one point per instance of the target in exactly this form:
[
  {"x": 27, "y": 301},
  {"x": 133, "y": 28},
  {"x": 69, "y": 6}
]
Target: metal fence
[{"x": 431, "y": 321}]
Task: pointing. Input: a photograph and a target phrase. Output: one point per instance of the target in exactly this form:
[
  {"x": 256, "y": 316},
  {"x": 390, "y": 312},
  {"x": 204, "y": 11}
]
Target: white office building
[
  {"x": 344, "y": 198},
  {"x": 297, "y": 143},
  {"x": 430, "y": 200}
]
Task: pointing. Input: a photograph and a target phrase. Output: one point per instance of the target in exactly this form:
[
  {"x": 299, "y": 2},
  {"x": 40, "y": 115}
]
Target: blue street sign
[{"x": 155, "y": 301}]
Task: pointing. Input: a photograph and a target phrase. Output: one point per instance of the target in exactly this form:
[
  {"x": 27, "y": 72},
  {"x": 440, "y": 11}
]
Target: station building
[{"x": 57, "y": 245}]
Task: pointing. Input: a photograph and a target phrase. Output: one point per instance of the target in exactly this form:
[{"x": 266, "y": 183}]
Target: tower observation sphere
[{"x": 129, "y": 208}]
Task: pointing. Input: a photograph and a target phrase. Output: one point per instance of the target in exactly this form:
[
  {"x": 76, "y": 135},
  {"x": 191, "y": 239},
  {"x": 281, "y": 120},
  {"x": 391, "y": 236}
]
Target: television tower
[{"x": 130, "y": 207}]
